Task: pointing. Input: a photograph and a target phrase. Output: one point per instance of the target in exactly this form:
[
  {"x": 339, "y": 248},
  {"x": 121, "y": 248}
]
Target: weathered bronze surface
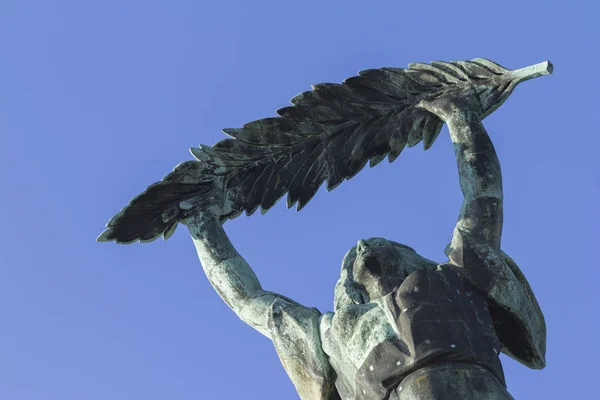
[{"x": 403, "y": 327}]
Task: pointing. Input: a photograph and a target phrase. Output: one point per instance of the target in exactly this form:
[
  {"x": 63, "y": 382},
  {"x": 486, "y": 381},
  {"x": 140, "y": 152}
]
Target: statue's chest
[
  {"x": 357, "y": 330},
  {"x": 373, "y": 346},
  {"x": 361, "y": 340}
]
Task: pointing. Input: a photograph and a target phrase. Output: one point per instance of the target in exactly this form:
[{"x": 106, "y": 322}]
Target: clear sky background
[{"x": 101, "y": 98}]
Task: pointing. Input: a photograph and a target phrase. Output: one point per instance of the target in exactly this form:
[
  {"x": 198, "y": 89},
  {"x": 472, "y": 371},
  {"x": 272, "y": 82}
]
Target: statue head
[{"x": 373, "y": 268}]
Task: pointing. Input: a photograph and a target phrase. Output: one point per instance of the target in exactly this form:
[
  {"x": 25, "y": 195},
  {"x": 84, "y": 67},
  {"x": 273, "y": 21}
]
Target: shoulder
[
  {"x": 326, "y": 321},
  {"x": 295, "y": 331},
  {"x": 293, "y": 325},
  {"x": 426, "y": 280},
  {"x": 284, "y": 308},
  {"x": 518, "y": 319}
]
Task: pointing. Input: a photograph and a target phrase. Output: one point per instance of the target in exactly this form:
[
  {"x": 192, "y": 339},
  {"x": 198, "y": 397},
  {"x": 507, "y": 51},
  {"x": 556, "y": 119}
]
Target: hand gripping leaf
[{"x": 328, "y": 134}]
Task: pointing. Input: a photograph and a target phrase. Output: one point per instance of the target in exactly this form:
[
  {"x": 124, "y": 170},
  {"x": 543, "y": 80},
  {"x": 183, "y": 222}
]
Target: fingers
[
  {"x": 451, "y": 104},
  {"x": 442, "y": 109}
]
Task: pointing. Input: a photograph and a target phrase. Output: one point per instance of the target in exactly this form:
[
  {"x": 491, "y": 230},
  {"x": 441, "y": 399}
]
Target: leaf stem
[{"x": 533, "y": 71}]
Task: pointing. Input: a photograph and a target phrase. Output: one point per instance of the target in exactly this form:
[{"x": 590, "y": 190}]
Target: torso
[{"x": 433, "y": 317}]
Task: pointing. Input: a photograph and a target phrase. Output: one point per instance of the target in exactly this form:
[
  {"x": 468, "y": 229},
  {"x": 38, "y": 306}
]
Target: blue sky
[{"x": 100, "y": 99}]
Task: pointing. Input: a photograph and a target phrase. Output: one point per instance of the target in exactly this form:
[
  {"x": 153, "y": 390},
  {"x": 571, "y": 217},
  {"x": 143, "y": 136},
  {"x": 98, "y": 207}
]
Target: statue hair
[{"x": 349, "y": 292}]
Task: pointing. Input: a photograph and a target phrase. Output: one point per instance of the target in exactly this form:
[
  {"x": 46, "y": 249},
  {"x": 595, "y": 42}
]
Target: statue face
[{"x": 378, "y": 266}]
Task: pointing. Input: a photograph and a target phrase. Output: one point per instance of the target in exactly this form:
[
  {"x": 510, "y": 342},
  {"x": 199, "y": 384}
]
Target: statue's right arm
[{"x": 229, "y": 274}]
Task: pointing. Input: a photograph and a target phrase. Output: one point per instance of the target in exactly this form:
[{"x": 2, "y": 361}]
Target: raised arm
[
  {"x": 480, "y": 219},
  {"x": 293, "y": 328},
  {"x": 462, "y": 107},
  {"x": 475, "y": 245},
  {"x": 230, "y": 275},
  {"x": 478, "y": 167},
  {"x": 480, "y": 180}
]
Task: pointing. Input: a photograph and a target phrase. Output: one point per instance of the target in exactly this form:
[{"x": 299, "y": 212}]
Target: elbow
[
  {"x": 480, "y": 175},
  {"x": 487, "y": 195},
  {"x": 485, "y": 209}
]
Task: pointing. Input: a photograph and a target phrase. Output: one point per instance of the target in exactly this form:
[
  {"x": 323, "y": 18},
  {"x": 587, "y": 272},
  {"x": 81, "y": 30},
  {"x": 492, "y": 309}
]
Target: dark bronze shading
[
  {"x": 403, "y": 327},
  {"x": 328, "y": 134}
]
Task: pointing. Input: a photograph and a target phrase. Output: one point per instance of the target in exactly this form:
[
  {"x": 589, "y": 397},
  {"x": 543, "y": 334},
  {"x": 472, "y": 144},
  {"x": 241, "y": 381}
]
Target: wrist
[
  {"x": 210, "y": 238},
  {"x": 460, "y": 118},
  {"x": 203, "y": 225}
]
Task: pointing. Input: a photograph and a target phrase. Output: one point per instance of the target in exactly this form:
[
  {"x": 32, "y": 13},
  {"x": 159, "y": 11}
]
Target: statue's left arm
[
  {"x": 229, "y": 273},
  {"x": 480, "y": 180},
  {"x": 293, "y": 328},
  {"x": 479, "y": 171}
]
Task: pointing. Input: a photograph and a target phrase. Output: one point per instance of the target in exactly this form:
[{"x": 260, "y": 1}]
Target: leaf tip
[
  {"x": 289, "y": 202},
  {"x": 195, "y": 151},
  {"x": 331, "y": 184},
  {"x": 105, "y": 236},
  {"x": 375, "y": 160},
  {"x": 392, "y": 157},
  {"x": 170, "y": 231}
]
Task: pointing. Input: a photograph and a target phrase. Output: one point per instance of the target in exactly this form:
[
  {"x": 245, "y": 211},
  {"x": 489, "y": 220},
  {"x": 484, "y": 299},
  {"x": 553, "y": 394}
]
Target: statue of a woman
[{"x": 403, "y": 327}]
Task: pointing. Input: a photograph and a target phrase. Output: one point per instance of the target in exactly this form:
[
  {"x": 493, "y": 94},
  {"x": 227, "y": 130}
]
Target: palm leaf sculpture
[{"x": 328, "y": 134}]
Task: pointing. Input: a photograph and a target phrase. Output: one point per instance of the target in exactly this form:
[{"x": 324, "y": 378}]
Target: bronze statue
[{"x": 403, "y": 327}]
